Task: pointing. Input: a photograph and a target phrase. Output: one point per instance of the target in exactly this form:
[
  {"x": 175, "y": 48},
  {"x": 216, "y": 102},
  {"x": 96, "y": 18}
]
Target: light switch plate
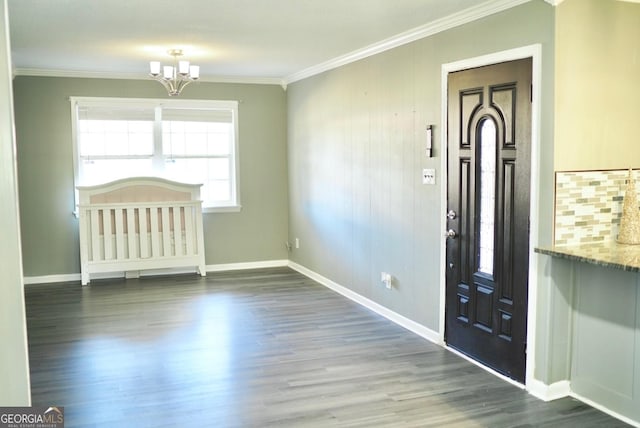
[{"x": 428, "y": 176}]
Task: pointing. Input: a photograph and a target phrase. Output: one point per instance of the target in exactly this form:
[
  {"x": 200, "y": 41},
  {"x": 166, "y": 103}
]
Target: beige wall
[
  {"x": 597, "y": 85},
  {"x": 14, "y": 364},
  {"x": 45, "y": 167}
]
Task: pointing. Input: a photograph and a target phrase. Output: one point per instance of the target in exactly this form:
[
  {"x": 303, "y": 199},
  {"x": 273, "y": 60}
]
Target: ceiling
[{"x": 267, "y": 40}]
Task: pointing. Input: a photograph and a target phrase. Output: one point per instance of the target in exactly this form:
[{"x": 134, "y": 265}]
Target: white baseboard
[
  {"x": 248, "y": 265},
  {"x": 75, "y": 277},
  {"x": 419, "y": 329},
  {"x": 49, "y": 279},
  {"x": 550, "y": 392},
  {"x": 606, "y": 410}
]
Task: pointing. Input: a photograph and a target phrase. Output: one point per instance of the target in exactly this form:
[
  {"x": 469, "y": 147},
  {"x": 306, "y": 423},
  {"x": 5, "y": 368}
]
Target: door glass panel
[{"x": 487, "y": 194}]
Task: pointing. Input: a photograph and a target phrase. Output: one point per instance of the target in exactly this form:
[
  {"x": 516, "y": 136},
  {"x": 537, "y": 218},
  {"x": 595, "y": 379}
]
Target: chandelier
[{"x": 174, "y": 77}]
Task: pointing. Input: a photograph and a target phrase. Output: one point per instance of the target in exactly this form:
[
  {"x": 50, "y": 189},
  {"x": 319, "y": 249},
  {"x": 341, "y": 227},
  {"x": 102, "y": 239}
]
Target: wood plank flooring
[{"x": 261, "y": 348}]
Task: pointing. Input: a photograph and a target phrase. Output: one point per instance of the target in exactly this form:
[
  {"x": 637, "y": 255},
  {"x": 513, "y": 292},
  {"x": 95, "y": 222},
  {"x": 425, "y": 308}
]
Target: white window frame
[{"x": 232, "y": 105}]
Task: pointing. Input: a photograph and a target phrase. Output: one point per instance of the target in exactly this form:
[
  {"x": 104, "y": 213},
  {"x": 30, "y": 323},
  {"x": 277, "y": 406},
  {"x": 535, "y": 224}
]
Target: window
[
  {"x": 488, "y": 140},
  {"x": 190, "y": 141}
]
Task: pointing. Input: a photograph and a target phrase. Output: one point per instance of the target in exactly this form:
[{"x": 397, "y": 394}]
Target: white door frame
[{"x": 534, "y": 52}]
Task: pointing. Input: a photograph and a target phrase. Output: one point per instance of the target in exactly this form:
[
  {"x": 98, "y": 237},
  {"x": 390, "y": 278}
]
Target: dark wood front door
[{"x": 489, "y": 163}]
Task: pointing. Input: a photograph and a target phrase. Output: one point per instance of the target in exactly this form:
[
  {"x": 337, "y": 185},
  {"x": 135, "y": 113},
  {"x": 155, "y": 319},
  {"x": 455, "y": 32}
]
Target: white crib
[{"x": 140, "y": 223}]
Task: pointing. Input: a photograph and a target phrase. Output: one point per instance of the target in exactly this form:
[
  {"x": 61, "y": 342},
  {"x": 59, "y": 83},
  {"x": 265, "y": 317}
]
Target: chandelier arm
[
  {"x": 181, "y": 85},
  {"x": 166, "y": 83}
]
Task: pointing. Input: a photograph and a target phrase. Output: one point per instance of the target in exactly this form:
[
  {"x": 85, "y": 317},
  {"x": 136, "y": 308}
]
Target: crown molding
[
  {"x": 454, "y": 20},
  {"x": 471, "y": 14},
  {"x": 140, "y": 76}
]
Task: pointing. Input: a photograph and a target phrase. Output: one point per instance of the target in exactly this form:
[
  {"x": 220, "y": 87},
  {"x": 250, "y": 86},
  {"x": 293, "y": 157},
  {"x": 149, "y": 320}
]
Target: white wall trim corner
[
  {"x": 396, "y": 318},
  {"x": 551, "y": 392}
]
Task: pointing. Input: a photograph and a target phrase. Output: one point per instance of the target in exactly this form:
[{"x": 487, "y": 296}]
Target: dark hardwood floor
[{"x": 256, "y": 348}]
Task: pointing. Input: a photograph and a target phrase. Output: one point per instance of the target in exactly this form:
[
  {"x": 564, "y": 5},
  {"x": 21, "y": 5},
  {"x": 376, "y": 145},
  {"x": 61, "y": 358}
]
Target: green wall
[
  {"x": 45, "y": 167},
  {"x": 356, "y": 152}
]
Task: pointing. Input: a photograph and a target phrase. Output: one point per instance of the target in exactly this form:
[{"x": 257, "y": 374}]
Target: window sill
[{"x": 229, "y": 209}]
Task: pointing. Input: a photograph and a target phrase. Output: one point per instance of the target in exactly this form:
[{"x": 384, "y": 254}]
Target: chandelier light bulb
[
  {"x": 183, "y": 67},
  {"x": 194, "y": 72},
  {"x": 154, "y": 68},
  {"x": 168, "y": 72}
]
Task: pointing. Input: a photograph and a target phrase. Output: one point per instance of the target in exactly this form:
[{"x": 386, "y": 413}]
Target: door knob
[
  {"x": 451, "y": 215},
  {"x": 451, "y": 234}
]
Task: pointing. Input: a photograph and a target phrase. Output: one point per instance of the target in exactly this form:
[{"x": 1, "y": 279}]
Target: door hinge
[{"x": 531, "y": 93}]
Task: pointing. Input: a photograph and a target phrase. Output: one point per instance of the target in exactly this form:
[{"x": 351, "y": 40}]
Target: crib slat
[
  {"x": 119, "y": 233},
  {"x": 95, "y": 234},
  {"x": 131, "y": 233},
  {"x": 155, "y": 230},
  {"x": 177, "y": 230},
  {"x": 188, "y": 230},
  {"x": 107, "y": 235},
  {"x": 166, "y": 232},
  {"x": 143, "y": 223}
]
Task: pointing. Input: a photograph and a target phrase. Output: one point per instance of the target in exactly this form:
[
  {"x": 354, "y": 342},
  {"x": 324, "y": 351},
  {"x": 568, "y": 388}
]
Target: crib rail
[{"x": 141, "y": 235}]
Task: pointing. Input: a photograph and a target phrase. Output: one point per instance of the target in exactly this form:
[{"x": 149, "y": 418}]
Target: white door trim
[{"x": 534, "y": 52}]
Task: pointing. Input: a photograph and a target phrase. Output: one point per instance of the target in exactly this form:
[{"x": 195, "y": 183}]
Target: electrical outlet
[
  {"x": 297, "y": 243},
  {"x": 428, "y": 176},
  {"x": 387, "y": 280}
]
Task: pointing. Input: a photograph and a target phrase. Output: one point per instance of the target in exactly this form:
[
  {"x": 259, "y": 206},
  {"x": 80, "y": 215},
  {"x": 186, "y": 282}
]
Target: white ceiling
[{"x": 268, "y": 40}]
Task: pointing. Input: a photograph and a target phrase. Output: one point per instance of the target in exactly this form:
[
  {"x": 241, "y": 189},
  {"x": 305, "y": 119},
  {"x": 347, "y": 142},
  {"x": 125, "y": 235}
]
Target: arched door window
[{"x": 487, "y": 146}]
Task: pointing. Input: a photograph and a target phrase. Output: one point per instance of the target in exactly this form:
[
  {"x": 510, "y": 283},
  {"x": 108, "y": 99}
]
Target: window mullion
[{"x": 158, "y": 156}]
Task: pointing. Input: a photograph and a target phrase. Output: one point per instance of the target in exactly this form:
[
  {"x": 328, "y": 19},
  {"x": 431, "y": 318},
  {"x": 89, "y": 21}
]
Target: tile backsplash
[{"x": 589, "y": 205}]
